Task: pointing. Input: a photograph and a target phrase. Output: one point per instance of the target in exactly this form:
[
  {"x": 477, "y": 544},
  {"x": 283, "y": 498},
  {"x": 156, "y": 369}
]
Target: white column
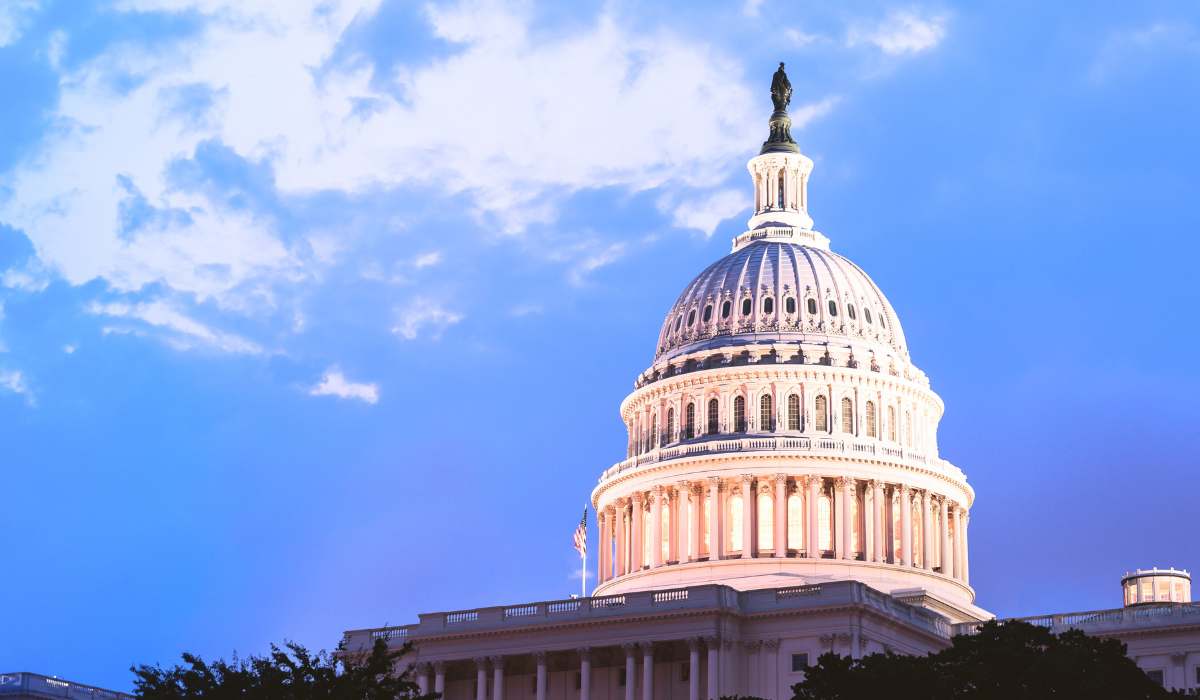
[
  {"x": 926, "y": 532},
  {"x": 748, "y": 511},
  {"x": 585, "y": 673},
  {"x": 966, "y": 566},
  {"x": 540, "y": 658},
  {"x": 693, "y": 668},
  {"x": 814, "y": 540},
  {"x": 695, "y": 508},
  {"x": 848, "y": 551},
  {"x": 714, "y": 520},
  {"x": 877, "y": 517},
  {"x": 480, "y": 677},
  {"x": 906, "y": 552},
  {"x": 498, "y": 677},
  {"x": 647, "y": 670},
  {"x": 673, "y": 541},
  {"x": 958, "y": 538},
  {"x": 781, "y": 533},
  {"x": 656, "y": 527},
  {"x": 621, "y": 537},
  {"x": 755, "y": 674},
  {"x": 947, "y": 556},
  {"x": 837, "y": 528},
  {"x": 630, "y": 650},
  {"x": 423, "y": 677},
  {"x": 772, "y": 685},
  {"x": 637, "y": 540},
  {"x": 714, "y": 662},
  {"x": 439, "y": 677}
]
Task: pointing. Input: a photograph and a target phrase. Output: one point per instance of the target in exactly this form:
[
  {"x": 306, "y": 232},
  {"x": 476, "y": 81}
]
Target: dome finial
[{"x": 781, "y": 125}]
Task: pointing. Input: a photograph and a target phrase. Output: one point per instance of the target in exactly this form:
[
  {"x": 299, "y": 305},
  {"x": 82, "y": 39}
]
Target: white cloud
[
  {"x": 13, "y": 16},
  {"x": 424, "y": 312},
  {"x": 69, "y": 349},
  {"x": 334, "y": 383},
  {"x": 706, "y": 213},
  {"x": 178, "y": 329},
  {"x": 14, "y": 382},
  {"x": 430, "y": 259},
  {"x": 904, "y": 31}
]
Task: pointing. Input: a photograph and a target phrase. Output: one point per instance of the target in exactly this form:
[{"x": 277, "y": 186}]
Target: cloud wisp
[
  {"x": 334, "y": 383},
  {"x": 906, "y": 31}
]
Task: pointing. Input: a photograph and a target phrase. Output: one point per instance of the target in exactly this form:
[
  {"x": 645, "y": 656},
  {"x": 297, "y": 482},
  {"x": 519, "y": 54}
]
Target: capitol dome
[{"x": 782, "y": 436}]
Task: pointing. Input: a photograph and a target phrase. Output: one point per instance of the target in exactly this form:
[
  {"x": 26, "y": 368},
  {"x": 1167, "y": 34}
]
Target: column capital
[
  {"x": 585, "y": 653},
  {"x": 903, "y": 488},
  {"x": 753, "y": 646},
  {"x": 498, "y": 663},
  {"x": 657, "y": 490},
  {"x": 697, "y": 488},
  {"x": 952, "y": 506},
  {"x": 694, "y": 643},
  {"x": 747, "y": 478},
  {"x": 610, "y": 510},
  {"x": 422, "y": 668},
  {"x": 779, "y": 478},
  {"x": 722, "y": 486},
  {"x": 684, "y": 485},
  {"x": 481, "y": 663},
  {"x": 647, "y": 649},
  {"x": 840, "y": 483},
  {"x": 714, "y": 481},
  {"x": 875, "y": 484},
  {"x": 728, "y": 645},
  {"x": 772, "y": 645},
  {"x": 712, "y": 641},
  {"x": 621, "y": 502},
  {"x": 638, "y": 497},
  {"x": 540, "y": 657},
  {"x": 926, "y": 494},
  {"x": 630, "y": 649},
  {"x": 439, "y": 667}
]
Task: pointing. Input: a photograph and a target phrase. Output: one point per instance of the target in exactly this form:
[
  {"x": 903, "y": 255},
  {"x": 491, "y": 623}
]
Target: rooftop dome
[{"x": 770, "y": 289}]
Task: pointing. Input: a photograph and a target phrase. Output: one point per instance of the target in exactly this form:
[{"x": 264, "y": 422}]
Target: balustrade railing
[
  {"x": 36, "y": 685},
  {"x": 1096, "y": 617},
  {"x": 667, "y": 596},
  {"x": 390, "y": 633},
  {"x": 562, "y": 607},
  {"x": 520, "y": 611},
  {"x": 452, "y": 618},
  {"x": 797, "y": 592},
  {"x": 608, "y": 601}
]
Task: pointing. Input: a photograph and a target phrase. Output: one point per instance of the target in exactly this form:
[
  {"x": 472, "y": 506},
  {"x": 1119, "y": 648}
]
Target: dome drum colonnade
[{"x": 782, "y": 429}]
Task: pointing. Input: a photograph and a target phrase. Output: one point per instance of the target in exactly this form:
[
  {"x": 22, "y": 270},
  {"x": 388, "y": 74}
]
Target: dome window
[
  {"x": 708, "y": 313},
  {"x": 881, "y": 323},
  {"x": 790, "y": 305},
  {"x": 746, "y": 307},
  {"x": 691, "y": 317},
  {"x": 678, "y": 322},
  {"x": 725, "y": 309},
  {"x": 832, "y": 307},
  {"x": 867, "y": 313},
  {"x": 768, "y": 305},
  {"x": 812, "y": 307},
  {"x": 850, "y": 312}
]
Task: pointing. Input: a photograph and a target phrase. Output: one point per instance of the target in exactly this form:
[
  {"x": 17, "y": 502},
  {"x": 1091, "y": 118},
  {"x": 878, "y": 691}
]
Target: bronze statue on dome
[{"x": 781, "y": 89}]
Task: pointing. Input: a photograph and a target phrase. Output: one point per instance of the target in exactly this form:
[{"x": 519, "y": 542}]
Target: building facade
[{"x": 782, "y": 495}]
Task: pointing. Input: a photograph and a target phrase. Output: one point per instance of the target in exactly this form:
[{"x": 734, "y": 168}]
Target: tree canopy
[
  {"x": 294, "y": 674},
  {"x": 1001, "y": 662}
]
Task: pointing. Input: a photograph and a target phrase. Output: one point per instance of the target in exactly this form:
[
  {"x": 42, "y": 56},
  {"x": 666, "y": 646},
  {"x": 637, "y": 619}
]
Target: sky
[{"x": 317, "y": 315}]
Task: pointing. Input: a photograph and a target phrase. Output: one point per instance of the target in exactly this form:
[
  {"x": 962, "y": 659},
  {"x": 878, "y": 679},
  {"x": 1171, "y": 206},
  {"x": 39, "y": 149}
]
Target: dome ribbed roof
[{"x": 778, "y": 271}]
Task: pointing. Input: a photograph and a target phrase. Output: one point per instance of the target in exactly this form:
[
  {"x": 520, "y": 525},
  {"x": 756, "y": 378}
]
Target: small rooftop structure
[{"x": 1157, "y": 586}]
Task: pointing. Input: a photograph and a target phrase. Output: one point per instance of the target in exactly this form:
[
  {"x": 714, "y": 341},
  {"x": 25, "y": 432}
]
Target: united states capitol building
[{"x": 782, "y": 495}]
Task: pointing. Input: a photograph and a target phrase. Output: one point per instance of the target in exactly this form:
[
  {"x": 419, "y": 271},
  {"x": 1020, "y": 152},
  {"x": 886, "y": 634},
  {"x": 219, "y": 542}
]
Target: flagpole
[{"x": 583, "y": 574}]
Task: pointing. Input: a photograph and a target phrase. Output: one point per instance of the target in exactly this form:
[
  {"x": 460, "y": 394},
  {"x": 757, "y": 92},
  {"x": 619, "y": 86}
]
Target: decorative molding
[
  {"x": 826, "y": 640},
  {"x": 772, "y": 645},
  {"x": 863, "y": 640},
  {"x": 780, "y": 478},
  {"x": 630, "y": 649},
  {"x": 647, "y": 649},
  {"x": 693, "y": 643},
  {"x": 560, "y": 662},
  {"x": 712, "y": 642},
  {"x": 498, "y": 662},
  {"x": 481, "y": 663},
  {"x": 747, "y": 479},
  {"x": 439, "y": 667},
  {"x": 845, "y": 637},
  {"x": 753, "y": 646},
  {"x": 540, "y": 657},
  {"x": 422, "y": 668},
  {"x": 1178, "y": 657}
]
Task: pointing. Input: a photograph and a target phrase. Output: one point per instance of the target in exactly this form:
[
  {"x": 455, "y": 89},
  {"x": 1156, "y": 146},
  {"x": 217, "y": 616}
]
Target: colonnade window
[
  {"x": 854, "y": 511},
  {"x": 653, "y": 432},
  {"x": 739, "y": 414},
  {"x": 691, "y": 421},
  {"x": 781, "y": 190},
  {"x": 714, "y": 414},
  {"x": 645, "y": 540},
  {"x": 896, "y": 532},
  {"x": 704, "y": 528},
  {"x": 891, "y": 426},
  {"x": 793, "y": 412},
  {"x": 908, "y": 428},
  {"x": 825, "y": 534},
  {"x": 847, "y": 416},
  {"x": 670, "y": 425},
  {"x": 766, "y": 522},
  {"x": 870, "y": 419},
  {"x": 917, "y": 541},
  {"x": 666, "y": 533},
  {"x": 735, "y": 523},
  {"x": 795, "y": 524},
  {"x": 819, "y": 410},
  {"x": 764, "y": 413}
]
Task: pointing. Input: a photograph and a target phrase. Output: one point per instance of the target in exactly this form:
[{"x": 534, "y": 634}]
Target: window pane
[
  {"x": 850, "y": 311},
  {"x": 795, "y": 523},
  {"x": 746, "y": 307},
  {"x": 832, "y": 308},
  {"x": 691, "y": 317},
  {"x": 799, "y": 662},
  {"x": 790, "y": 305},
  {"x": 739, "y": 414},
  {"x": 707, "y": 313},
  {"x": 766, "y": 522},
  {"x": 713, "y": 415},
  {"x": 819, "y": 417},
  {"x": 870, "y": 419},
  {"x": 891, "y": 427},
  {"x": 768, "y": 305},
  {"x": 847, "y": 416},
  {"x": 670, "y": 436},
  {"x": 812, "y": 307},
  {"x": 735, "y": 523},
  {"x": 793, "y": 412},
  {"x": 725, "y": 310},
  {"x": 867, "y": 313},
  {"x": 691, "y": 421},
  {"x": 764, "y": 413},
  {"x": 825, "y": 537}
]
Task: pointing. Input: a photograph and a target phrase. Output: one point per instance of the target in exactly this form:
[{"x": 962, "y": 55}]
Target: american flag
[{"x": 581, "y": 534}]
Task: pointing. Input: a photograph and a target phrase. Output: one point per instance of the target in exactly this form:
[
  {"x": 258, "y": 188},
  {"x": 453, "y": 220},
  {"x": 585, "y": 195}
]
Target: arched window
[
  {"x": 820, "y": 411},
  {"x": 725, "y": 309},
  {"x": 690, "y": 419},
  {"x": 832, "y": 307},
  {"x": 790, "y": 305},
  {"x": 714, "y": 410},
  {"x": 781, "y": 190},
  {"x": 847, "y": 416},
  {"x": 653, "y": 432},
  {"x": 908, "y": 428},
  {"x": 795, "y": 522},
  {"x": 739, "y": 414},
  {"x": 707, "y": 549},
  {"x": 824, "y": 534},
  {"x": 891, "y": 426},
  {"x": 918, "y": 555},
  {"x": 870, "y": 419},
  {"x": 691, "y": 317},
  {"x": 735, "y": 523},
  {"x": 707, "y": 313},
  {"x": 812, "y": 307},
  {"x": 882, "y": 323},
  {"x": 666, "y": 532},
  {"x": 768, "y": 305},
  {"x": 793, "y": 412},
  {"x": 670, "y": 436},
  {"x": 746, "y": 306},
  {"x": 849, "y": 312},
  {"x": 867, "y": 313},
  {"x": 764, "y": 413},
  {"x": 766, "y": 522},
  {"x": 854, "y": 511},
  {"x": 678, "y": 321}
]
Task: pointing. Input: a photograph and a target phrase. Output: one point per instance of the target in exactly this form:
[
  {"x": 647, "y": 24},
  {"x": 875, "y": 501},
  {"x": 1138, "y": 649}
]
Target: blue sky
[{"x": 317, "y": 315}]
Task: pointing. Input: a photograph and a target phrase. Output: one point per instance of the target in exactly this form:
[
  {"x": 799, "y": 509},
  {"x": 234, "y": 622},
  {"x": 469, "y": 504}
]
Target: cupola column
[
  {"x": 622, "y": 538},
  {"x": 714, "y": 519},
  {"x": 926, "y": 532},
  {"x": 781, "y": 533},
  {"x": 637, "y": 545},
  {"x": 673, "y": 525},
  {"x": 747, "y": 516},
  {"x": 944, "y": 521},
  {"x": 847, "y": 493},
  {"x": 656, "y": 532},
  {"x": 958, "y": 538},
  {"x": 695, "y": 508},
  {"x": 906, "y": 548},
  {"x": 814, "y": 541},
  {"x": 966, "y": 566},
  {"x": 877, "y": 518}
]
